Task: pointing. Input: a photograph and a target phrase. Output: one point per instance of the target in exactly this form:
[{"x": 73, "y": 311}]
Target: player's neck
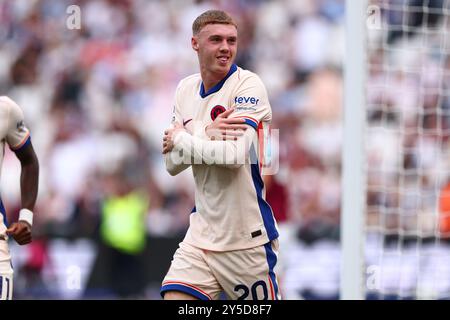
[{"x": 210, "y": 79}]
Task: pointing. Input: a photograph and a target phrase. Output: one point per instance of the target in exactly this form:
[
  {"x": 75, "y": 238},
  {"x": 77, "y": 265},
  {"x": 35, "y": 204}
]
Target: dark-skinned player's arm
[{"x": 29, "y": 181}]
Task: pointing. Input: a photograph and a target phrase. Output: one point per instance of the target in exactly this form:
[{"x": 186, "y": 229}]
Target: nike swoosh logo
[{"x": 186, "y": 122}]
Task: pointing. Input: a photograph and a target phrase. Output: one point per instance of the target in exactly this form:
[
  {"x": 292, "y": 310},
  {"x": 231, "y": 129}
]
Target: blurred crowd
[{"x": 97, "y": 100}]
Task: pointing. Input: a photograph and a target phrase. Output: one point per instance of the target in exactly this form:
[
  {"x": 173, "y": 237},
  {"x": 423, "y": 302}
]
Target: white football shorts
[{"x": 241, "y": 274}]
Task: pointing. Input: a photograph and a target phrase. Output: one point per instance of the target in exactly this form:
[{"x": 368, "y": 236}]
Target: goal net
[{"x": 407, "y": 150}]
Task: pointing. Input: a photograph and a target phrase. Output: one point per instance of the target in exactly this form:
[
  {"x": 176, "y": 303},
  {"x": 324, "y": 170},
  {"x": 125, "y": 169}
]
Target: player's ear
[{"x": 194, "y": 43}]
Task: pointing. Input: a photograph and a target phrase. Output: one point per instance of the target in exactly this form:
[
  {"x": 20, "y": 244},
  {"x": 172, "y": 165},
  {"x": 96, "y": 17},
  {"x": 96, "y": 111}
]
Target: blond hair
[{"x": 211, "y": 17}]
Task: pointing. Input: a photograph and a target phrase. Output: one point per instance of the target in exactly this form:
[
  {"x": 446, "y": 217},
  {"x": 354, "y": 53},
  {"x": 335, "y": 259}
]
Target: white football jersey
[
  {"x": 230, "y": 211},
  {"x": 14, "y": 133}
]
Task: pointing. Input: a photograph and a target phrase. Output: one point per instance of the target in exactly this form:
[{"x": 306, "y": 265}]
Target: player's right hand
[
  {"x": 224, "y": 128},
  {"x": 169, "y": 136},
  {"x": 20, "y": 231}
]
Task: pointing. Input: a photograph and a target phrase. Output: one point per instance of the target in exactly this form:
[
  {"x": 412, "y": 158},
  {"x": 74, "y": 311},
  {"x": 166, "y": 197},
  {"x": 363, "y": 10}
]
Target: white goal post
[{"x": 353, "y": 203}]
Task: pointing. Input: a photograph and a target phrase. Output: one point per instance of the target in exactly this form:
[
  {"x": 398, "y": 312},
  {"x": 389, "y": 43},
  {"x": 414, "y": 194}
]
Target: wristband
[{"x": 26, "y": 215}]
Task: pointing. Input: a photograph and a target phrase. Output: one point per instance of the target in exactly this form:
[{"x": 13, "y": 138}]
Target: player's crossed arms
[{"x": 223, "y": 128}]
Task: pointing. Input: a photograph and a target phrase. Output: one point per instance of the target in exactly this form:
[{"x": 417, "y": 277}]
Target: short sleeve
[
  {"x": 176, "y": 112},
  {"x": 179, "y": 115},
  {"x": 18, "y": 134},
  {"x": 251, "y": 102}
]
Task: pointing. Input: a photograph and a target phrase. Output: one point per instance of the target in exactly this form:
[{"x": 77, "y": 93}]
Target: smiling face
[{"x": 216, "y": 45}]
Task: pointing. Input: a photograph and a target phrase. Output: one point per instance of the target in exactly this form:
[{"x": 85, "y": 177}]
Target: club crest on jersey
[{"x": 216, "y": 111}]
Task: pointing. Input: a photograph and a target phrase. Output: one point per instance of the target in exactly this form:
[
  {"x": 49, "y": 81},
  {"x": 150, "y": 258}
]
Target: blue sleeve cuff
[{"x": 23, "y": 145}]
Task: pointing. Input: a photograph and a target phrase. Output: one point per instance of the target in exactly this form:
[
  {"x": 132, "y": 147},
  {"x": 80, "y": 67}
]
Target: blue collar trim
[{"x": 218, "y": 86}]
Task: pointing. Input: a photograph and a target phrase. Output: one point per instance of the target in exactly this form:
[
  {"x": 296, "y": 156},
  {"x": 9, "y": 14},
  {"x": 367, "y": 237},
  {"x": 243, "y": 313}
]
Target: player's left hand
[
  {"x": 169, "y": 136},
  {"x": 20, "y": 231}
]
